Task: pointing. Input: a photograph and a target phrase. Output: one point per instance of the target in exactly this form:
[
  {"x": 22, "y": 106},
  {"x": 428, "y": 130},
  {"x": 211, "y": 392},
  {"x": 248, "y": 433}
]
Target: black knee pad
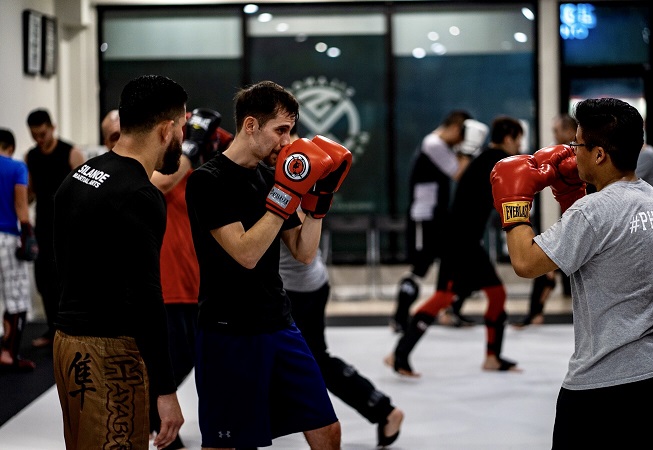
[{"x": 408, "y": 289}]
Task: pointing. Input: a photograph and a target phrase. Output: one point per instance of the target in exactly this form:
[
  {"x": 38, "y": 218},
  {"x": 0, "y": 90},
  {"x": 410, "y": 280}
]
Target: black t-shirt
[
  {"x": 108, "y": 229},
  {"x": 47, "y": 171},
  {"x": 232, "y": 298},
  {"x": 473, "y": 202}
]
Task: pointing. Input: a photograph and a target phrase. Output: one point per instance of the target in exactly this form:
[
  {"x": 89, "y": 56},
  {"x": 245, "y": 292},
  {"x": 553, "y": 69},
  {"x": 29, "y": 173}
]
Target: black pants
[
  {"x": 342, "y": 379},
  {"x": 47, "y": 283},
  {"x": 182, "y": 331},
  {"x": 600, "y": 418}
]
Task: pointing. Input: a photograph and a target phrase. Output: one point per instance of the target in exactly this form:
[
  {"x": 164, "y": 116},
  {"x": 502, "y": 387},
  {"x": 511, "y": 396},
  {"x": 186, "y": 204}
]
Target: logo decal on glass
[{"x": 323, "y": 104}]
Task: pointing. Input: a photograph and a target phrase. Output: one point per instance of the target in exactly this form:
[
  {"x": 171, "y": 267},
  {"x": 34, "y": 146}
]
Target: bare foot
[
  {"x": 5, "y": 358},
  {"x": 403, "y": 371},
  {"x": 41, "y": 342},
  {"x": 446, "y": 319},
  {"x": 395, "y": 418},
  {"x": 538, "y": 320},
  {"x": 494, "y": 364}
]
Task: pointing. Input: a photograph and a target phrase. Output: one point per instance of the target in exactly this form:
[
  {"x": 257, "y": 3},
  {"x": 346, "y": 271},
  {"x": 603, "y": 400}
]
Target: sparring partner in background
[
  {"x": 604, "y": 242},
  {"x": 17, "y": 247},
  {"x": 307, "y": 286},
  {"x": 475, "y": 134},
  {"x": 564, "y": 132},
  {"x": 110, "y": 127},
  {"x": 180, "y": 276},
  {"x": 434, "y": 167},
  {"x": 256, "y": 378},
  {"x": 465, "y": 265},
  {"x": 112, "y": 336},
  {"x": 48, "y": 163}
]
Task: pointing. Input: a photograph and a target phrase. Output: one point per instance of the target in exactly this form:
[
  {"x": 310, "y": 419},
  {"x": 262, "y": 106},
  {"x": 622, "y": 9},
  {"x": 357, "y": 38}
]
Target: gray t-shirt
[
  {"x": 300, "y": 277},
  {"x": 605, "y": 243}
]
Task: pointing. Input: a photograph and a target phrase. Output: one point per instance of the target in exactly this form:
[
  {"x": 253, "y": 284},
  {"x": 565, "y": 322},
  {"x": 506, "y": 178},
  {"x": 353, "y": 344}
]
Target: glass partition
[
  {"x": 335, "y": 63},
  {"x": 478, "y": 58},
  {"x": 200, "y": 48}
]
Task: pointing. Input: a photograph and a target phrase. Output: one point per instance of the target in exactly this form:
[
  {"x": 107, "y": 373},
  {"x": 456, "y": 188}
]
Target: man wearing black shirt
[
  {"x": 256, "y": 377},
  {"x": 48, "y": 163},
  {"x": 111, "y": 345}
]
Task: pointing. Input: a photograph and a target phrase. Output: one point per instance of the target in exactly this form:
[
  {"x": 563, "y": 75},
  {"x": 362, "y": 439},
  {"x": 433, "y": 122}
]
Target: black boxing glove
[
  {"x": 200, "y": 127},
  {"x": 29, "y": 249}
]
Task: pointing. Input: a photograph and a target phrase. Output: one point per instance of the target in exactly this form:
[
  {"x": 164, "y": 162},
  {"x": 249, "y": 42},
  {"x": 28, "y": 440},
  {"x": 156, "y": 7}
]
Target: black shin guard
[
  {"x": 418, "y": 325},
  {"x": 495, "y": 334},
  {"x": 540, "y": 284},
  {"x": 346, "y": 383},
  {"x": 408, "y": 293},
  {"x": 14, "y": 325}
]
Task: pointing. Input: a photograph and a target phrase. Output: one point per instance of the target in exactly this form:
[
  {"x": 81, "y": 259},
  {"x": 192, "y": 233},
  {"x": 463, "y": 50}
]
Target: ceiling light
[
  {"x": 528, "y": 13},
  {"x": 250, "y": 8},
  {"x": 419, "y": 53}
]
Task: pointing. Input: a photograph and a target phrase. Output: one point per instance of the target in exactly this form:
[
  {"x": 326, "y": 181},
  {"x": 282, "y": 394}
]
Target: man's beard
[{"x": 171, "y": 158}]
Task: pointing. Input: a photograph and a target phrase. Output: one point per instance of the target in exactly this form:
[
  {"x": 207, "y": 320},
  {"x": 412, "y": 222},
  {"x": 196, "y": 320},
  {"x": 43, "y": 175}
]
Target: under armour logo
[{"x": 226, "y": 434}]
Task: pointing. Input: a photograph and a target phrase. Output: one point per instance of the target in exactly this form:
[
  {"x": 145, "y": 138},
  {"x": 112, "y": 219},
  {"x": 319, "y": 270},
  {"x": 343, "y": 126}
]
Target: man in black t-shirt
[
  {"x": 48, "y": 163},
  {"x": 256, "y": 378},
  {"x": 111, "y": 345}
]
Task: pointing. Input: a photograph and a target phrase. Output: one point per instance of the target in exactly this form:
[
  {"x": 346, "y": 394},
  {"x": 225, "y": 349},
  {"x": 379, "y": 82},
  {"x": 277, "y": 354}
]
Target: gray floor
[{"x": 453, "y": 406}]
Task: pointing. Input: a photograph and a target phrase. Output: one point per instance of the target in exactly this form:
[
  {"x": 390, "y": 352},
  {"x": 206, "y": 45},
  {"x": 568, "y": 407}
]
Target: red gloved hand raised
[
  {"x": 299, "y": 166},
  {"x": 515, "y": 181},
  {"x": 567, "y": 187},
  {"x": 318, "y": 200}
]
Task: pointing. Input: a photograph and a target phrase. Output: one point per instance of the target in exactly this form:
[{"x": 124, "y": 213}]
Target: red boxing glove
[
  {"x": 299, "y": 166},
  {"x": 318, "y": 200},
  {"x": 515, "y": 181},
  {"x": 567, "y": 187}
]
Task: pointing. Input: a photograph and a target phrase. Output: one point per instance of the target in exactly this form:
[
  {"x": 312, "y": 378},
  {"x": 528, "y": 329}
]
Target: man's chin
[{"x": 169, "y": 167}]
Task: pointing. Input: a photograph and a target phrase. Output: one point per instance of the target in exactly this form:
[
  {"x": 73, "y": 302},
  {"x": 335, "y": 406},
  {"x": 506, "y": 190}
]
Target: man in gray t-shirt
[{"x": 604, "y": 241}]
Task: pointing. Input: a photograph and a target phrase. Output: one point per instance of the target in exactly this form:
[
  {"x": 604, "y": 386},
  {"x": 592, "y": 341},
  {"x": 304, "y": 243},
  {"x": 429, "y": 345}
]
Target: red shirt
[{"x": 180, "y": 275}]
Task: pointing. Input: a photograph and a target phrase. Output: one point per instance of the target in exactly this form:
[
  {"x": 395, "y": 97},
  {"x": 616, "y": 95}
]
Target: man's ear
[
  {"x": 601, "y": 155},
  {"x": 165, "y": 130},
  {"x": 250, "y": 124}
]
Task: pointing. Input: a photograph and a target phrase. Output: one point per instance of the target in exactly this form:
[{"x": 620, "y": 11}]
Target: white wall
[
  {"x": 20, "y": 93},
  {"x": 71, "y": 95}
]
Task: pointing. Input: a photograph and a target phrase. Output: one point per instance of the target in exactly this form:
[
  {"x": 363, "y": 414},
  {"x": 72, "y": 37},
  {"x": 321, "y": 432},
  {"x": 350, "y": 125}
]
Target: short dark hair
[
  {"x": 456, "y": 117},
  {"x": 263, "y": 101},
  {"x": 567, "y": 121},
  {"x": 614, "y": 125},
  {"x": 38, "y": 117},
  {"x": 147, "y": 100},
  {"x": 7, "y": 139},
  {"x": 503, "y": 126}
]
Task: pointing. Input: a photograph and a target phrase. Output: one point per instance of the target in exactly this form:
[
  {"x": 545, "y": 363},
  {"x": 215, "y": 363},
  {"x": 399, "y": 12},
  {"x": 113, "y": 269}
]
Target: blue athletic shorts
[{"x": 253, "y": 389}]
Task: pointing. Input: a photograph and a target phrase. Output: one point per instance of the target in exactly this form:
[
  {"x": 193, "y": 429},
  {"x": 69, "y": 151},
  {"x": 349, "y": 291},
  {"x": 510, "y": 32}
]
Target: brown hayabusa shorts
[{"x": 103, "y": 390}]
